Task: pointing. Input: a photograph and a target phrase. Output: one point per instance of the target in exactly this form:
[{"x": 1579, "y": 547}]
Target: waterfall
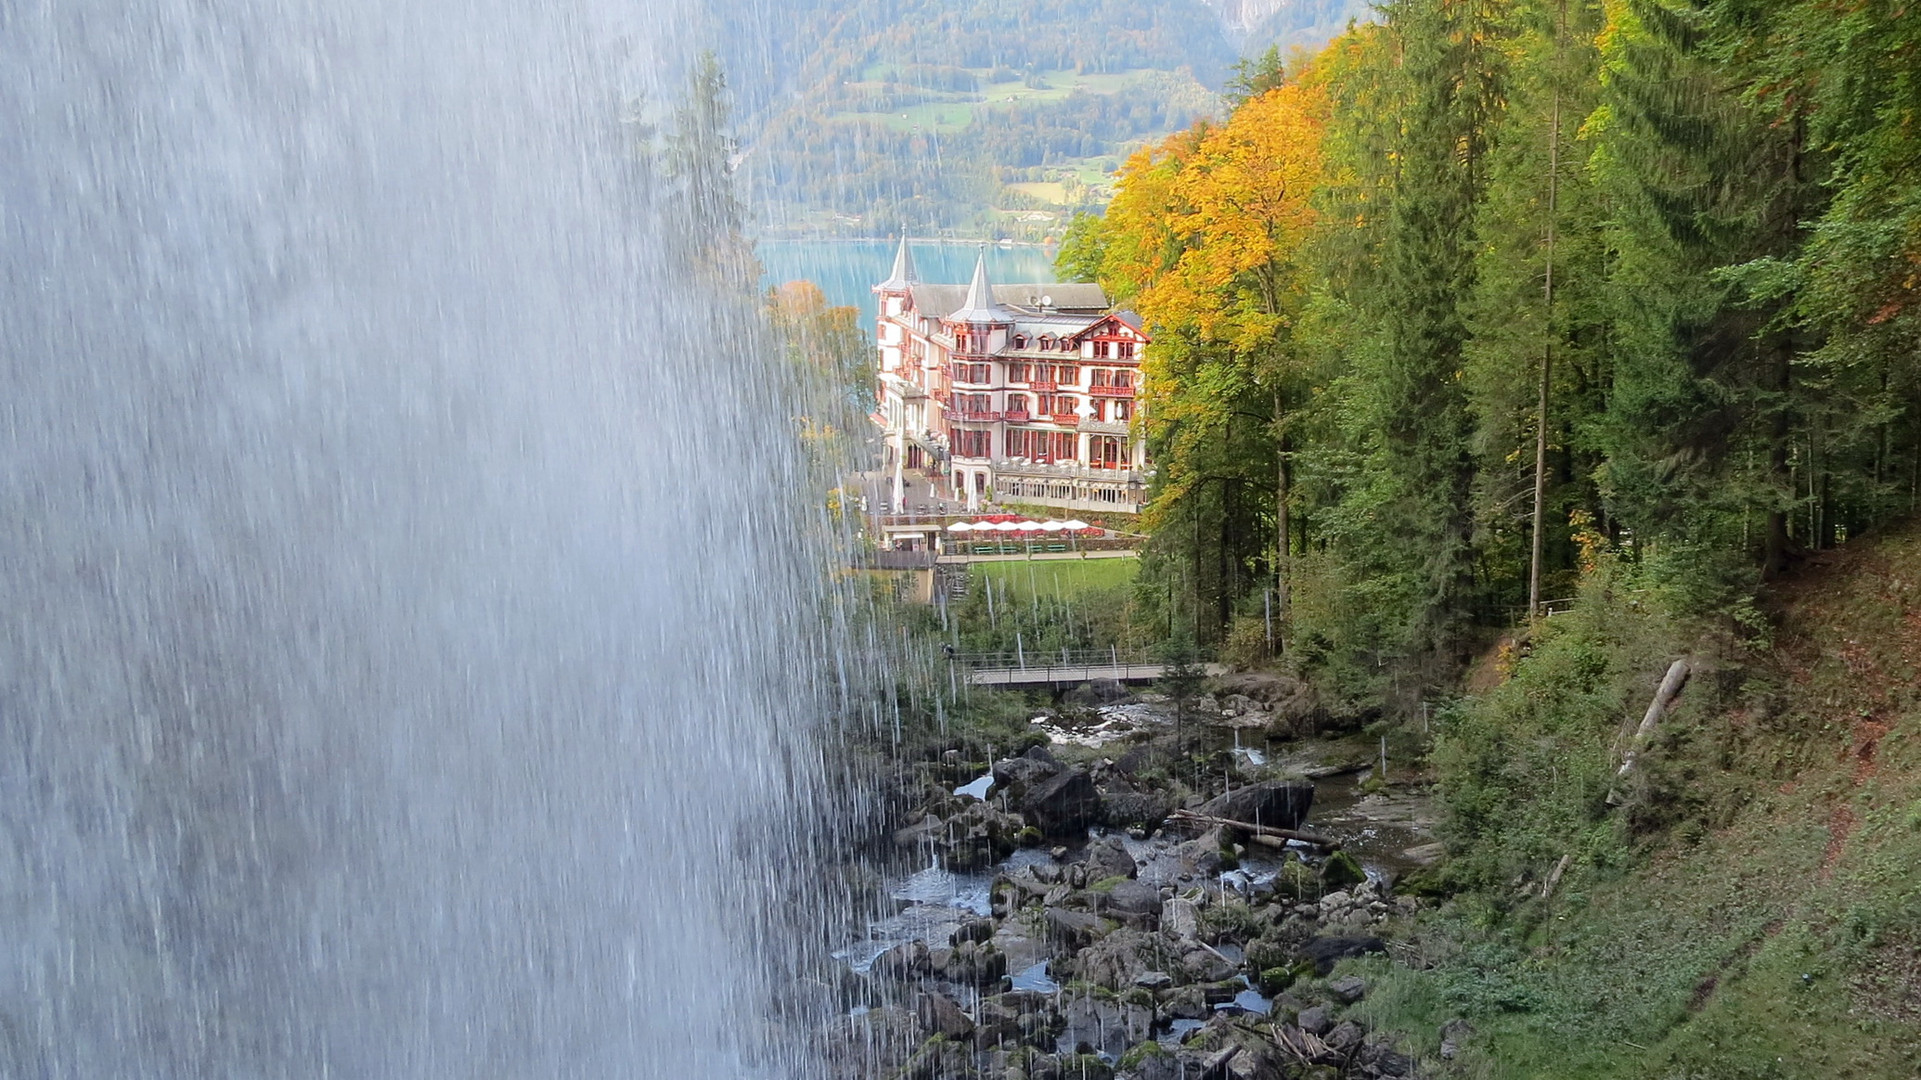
[{"x": 402, "y": 555}]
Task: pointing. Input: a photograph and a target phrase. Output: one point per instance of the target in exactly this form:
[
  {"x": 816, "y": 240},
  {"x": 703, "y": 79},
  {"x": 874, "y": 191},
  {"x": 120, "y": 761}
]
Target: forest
[{"x": 1486, "y": 294}]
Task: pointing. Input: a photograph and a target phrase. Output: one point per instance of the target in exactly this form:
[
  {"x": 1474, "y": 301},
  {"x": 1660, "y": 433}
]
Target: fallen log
[
  {"x": 1671, "y": 684},
  {"x": 1257, "y": 831}
]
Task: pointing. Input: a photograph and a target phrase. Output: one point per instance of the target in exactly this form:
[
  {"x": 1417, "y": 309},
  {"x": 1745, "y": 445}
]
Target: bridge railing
[{"x": 1113, "y": 656}]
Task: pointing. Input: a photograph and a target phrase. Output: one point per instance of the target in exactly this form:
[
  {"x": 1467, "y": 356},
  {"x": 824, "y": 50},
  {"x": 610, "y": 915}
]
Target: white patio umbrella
[
  {"x": 1075, "y": 523},
  {"x": 1006, "y": 526},
  {"x": 960, "y": 526},
  {"x": 1052, "y": 526}
]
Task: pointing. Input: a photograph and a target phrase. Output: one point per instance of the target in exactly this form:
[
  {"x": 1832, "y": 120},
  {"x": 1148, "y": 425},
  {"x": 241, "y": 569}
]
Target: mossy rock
[
  {"x": 1139, "y": 1054},
  {"x": 1276, "y": 979},
  {"x": 1297, "y": 880},
  {"x": 1340, "y": 871},
  {"x": 1086, "y": 1067},
  {"x": 1229, "y": 860},
  {"x": 1028, "y": 837}
]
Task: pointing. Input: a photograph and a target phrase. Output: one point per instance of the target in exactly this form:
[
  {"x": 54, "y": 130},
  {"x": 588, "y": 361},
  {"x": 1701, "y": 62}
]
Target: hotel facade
[{"x": 1016, "y": 393}]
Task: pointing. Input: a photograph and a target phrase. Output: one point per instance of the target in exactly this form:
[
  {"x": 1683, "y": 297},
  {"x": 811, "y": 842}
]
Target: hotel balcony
[
  {"x": 1103, "y": 427},
  {"x": 1043, "y": 386},
  {"x": 1111, "y": 391},
  {"x": 1017, "y": 416},
  {"x": 1067, "y": 471},
  {"x": 973, "y": 416}
]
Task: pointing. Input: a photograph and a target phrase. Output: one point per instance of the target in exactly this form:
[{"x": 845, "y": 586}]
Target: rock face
[
  {"x": 1062, "y": 804},
  {"x": 1281, "y": 804}
]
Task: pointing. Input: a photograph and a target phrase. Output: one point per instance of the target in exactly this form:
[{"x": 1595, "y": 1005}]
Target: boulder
[
  {"x": 1117, "y": 959},
  {"x": 1280, "y": 804},
  {"x": 1143, "y": 810},
  {"x": 1133, "y": 900},
  {"x": 976, "y": 930},
  {"x": 1346, "y": 1036},
  {"x": 1325, "y": 952},
  {"x": 941, "y": 1015},
  {"x": 1348, "y": 988},
  {"x": 1108, "y": 858},
  {"x": 1340, "y": 871},
  {"x": 1315, "y": 1021},
  {"x": 907, "y": 960},
  {"x": 1062, "y": 804},
  {"x": 1071, "y": 931},
  {"x": 1016, "y": 775},
  {"x": 1154, "y": 980},
  {"x": 1182, "y": 918}
]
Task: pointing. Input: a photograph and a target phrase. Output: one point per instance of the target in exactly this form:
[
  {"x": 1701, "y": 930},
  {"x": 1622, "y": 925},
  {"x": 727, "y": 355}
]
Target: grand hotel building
[{"x": 1022, "y": 393}]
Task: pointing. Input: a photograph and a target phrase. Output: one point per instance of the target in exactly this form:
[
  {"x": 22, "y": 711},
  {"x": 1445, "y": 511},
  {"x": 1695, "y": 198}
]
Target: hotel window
[
  {"x": 1064, "y": 405},
  {"x": 1047, "y": 343},
  {"x": 1099, "y": 405},
  {"x": 1067, "y": 374},
  {"x": 1124, "y": 378},
  {"x": 1123, "y": 409},
  {"x": 1062, "y": 446},
  {"x": 1098, "y": 377},
  {"x": 1017, "y": 403},
  {"x": 1016, "y": 373}
]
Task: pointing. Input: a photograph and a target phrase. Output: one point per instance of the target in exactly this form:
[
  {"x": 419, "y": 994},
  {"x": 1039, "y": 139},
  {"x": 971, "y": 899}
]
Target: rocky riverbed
[{"x": 1082, "y": 914}]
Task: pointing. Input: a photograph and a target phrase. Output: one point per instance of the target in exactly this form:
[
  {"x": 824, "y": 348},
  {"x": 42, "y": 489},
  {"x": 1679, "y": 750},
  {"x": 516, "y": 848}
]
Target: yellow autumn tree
[{"x": 1204, "y": 239}]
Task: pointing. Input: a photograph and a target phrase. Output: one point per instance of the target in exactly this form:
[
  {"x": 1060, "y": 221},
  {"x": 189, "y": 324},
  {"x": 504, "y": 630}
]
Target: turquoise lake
[{"x": 847, "y": 270}]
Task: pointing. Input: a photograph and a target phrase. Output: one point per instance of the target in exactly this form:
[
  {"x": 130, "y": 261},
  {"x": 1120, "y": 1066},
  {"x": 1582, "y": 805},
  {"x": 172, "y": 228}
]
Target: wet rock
[
  {"x": 1017, "y": 775},
  {"x": 1142, "y": 811},
  {"x": 1325, "y": 952},
  {"x": 1206, "y": 965},
  {"x": 907, "y": 960},
  {"x": 975, "y": 930},
  {"x": 1346, "y": 1036},
  {"x": 1453, "y": 1034},
  {"x": 1071, "y": 931},
  {"x": 938, "y": 1059},
  {"x": 1348, "y": 988},
  {"x": 1154, "y": 980},
  {"x": 1096, "y": 1026},
  {"x": 1062, "y": 804},
  {"x": 1116, "y": 960},
  {"x": 875, "y": 1043},
  {"x": 1340, "y": 871},
  {"x": 1181, "y": 918},
  {"x": 942, "y": 1016},
  {"x": 1282, "y": 804},
  {"x": 1315, "y": 1021},
  {"x": 1133, "y": 902},
  {"x": 1185, "y": 1003},
  {"x": 1108, "y": 858}
]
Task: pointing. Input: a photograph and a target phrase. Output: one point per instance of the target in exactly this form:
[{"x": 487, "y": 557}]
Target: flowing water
[{"x": 401, "y": 548}]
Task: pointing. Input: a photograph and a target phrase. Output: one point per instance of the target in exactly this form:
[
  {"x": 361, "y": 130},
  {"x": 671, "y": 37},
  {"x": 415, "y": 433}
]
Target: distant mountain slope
[{"x": 1002, "y": 116}]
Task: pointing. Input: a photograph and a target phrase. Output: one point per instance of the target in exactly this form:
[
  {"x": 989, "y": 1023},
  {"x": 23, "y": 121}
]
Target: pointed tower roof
[
  {"x": 904, "y": 276},
  {"x": 980, "y": 305}
]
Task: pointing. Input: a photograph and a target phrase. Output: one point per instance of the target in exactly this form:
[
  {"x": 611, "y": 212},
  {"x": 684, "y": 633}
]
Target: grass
[
  {"x": 1064, "y": 579},
  {"x": 1754, "y": 912}
]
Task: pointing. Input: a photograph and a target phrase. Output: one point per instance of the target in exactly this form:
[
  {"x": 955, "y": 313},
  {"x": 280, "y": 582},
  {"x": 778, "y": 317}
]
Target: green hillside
[{"x": 990, "y": 117}]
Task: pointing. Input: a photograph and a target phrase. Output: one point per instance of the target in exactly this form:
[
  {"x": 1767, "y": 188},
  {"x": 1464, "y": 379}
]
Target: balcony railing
[
  {"x": 1065, "y": 416},
  {"x": 1016, "y": 416},
  {"x": 1042, "y": 386},
  {"x": 973, "y": 416},
  {"x": 1111, "y": 391}
]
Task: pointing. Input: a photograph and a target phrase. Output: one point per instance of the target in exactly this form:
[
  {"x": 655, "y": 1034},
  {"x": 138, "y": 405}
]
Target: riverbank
[{"x": 1087, "y": 905}]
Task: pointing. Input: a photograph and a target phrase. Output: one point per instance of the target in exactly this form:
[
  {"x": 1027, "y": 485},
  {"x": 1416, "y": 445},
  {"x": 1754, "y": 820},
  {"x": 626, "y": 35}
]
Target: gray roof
[
  {"x": 1069, "y": 299},
  {"x": 904, "y": 275},
  {"x": 979, "y": 306}
]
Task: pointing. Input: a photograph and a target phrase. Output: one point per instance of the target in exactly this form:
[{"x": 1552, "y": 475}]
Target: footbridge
[{"x": 1022, "y": 672}]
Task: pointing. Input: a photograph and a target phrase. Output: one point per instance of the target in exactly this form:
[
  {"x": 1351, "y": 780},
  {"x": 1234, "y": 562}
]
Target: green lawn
[{"x": 1064, "y": 578}]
